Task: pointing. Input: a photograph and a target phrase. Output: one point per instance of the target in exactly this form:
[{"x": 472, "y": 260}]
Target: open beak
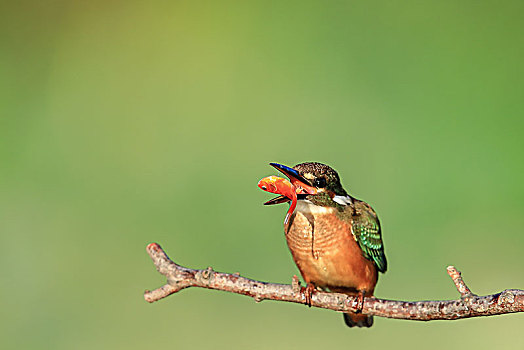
[{"x": 302, "y": 185}]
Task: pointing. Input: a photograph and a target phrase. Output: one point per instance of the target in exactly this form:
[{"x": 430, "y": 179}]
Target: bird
[{"x": 334, "y": 238}]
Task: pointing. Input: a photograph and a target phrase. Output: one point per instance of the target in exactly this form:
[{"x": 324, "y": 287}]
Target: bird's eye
[{"x": 319, "y": 182}]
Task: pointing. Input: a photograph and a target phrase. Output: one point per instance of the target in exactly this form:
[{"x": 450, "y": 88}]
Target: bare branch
[{"x": 470, "y": 305}]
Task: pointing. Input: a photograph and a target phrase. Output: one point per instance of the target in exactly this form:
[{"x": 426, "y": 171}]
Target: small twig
[
  {"x": 459, "y": 282},
  {"x": 470, "y": 305}
]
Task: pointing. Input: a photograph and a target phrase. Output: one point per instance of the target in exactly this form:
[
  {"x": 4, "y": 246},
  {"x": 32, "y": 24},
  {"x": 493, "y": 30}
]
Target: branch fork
[{"x": 469, "y": 305}]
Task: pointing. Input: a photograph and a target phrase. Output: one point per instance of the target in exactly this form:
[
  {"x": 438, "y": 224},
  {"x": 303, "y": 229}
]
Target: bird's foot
[
  {"x": 308, "y": 292},
  {"x": 360, "y": 301}
]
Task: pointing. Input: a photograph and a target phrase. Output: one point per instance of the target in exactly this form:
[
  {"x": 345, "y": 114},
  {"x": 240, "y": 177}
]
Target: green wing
[{"x": 366, "y": 230}]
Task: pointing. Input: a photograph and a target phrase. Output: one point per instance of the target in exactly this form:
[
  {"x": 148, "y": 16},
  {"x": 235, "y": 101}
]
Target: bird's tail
[{"x": 358, "y": 320}]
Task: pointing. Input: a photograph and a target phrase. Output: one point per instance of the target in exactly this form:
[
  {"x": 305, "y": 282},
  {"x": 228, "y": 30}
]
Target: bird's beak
[
  {"x": 277, "y": 200},
  {"x": 302, "y": 185}
]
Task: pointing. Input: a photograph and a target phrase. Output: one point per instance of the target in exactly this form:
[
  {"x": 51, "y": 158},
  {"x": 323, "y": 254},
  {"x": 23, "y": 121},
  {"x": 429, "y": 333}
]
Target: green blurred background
[{"x": 128, "y": 122}]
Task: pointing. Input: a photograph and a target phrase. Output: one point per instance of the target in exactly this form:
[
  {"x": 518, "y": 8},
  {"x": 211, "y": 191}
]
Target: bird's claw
[
  {"x": 360, "y": 301},
  {"x": 308, "y": 292}
]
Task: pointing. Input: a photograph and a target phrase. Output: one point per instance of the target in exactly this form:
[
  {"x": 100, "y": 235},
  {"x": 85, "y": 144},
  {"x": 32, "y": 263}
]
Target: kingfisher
[{"x": 334, "y": 238}]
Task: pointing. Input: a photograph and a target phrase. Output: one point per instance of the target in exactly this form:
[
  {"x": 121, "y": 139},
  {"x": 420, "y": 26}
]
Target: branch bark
[{"x": 469, "y": 305}]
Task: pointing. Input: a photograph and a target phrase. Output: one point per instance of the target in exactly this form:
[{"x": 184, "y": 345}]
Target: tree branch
[{"x": 470, "y": 305}]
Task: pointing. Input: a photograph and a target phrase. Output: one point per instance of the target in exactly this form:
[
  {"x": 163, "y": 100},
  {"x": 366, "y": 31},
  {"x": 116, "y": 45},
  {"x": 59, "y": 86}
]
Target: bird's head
[{"x": 312, "y": 178}]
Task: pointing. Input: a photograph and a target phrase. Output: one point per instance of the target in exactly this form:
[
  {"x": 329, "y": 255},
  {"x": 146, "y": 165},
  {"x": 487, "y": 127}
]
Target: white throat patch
[{"x": 343, "y": 200}]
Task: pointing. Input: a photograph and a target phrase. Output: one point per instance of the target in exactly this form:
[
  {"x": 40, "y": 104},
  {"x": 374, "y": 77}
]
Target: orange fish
[{"x": 278, "y": 185}]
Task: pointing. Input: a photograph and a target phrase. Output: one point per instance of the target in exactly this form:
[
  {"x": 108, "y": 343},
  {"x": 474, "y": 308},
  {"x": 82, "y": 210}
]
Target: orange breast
[{"x": 325, "y": 251}]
